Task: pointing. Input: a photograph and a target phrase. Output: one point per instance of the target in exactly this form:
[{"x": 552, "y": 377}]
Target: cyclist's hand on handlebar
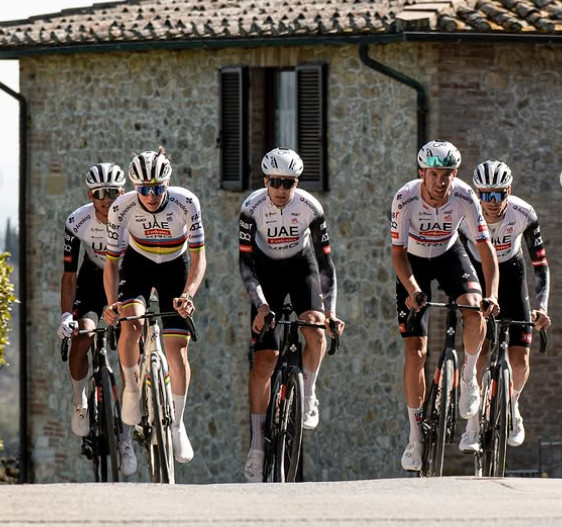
[
  {"x": 416, "y": 300},
  {"x": 489, "y": 306},
  {"x": 67, "y": 326},
  {"x": 337, "y": 324},
  {"x": 259, "y": 320},
  {"x": 541, "y": 319},
  {"x": 184, "y": 305},
  {"x": 111, "y": 313}
]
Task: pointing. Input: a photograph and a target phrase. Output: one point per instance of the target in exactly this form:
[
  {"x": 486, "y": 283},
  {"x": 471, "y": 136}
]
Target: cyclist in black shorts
[
  {"x": 285, "y": 250},
  {"x": 426, "y": 214},
  {"x": 164, "y": 227},
  {"x": 510, "y": 220},
  {"x": 82, "y": 295}
]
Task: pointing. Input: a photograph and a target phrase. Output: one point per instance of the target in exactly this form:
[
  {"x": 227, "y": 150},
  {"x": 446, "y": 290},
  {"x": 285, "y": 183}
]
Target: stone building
[{"x": 215, "y": 82}]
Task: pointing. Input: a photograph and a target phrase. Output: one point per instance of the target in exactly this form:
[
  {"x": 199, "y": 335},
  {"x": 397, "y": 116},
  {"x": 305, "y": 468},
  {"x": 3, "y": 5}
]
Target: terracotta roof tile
[{"x": 145, "y": 21}]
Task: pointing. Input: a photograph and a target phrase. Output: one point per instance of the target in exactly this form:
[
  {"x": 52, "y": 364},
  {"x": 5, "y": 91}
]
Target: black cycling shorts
[
  {"x": 513, "y": 297},
  {"x": 138, "y": 275},
  {"x": 297, "y": 277},
  {"x": 455, "y": 275},
  {"x": 90, "y": 295}
]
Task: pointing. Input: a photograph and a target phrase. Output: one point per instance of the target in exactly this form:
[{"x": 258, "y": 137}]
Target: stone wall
[{"x": 102, "y": 107}]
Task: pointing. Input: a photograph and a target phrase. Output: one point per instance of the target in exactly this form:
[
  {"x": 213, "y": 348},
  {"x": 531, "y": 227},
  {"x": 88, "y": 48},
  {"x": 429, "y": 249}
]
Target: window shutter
[
  {"x": 312, "y": 124},
  {"x": 233, "y": 141}
]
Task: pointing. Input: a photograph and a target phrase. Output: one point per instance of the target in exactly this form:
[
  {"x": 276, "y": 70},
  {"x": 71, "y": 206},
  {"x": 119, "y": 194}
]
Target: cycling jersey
[
  {"x": 281, "y": 234},
  {"x": 519, "y": 221},
  {"x": 428, "y": 231},
  {"x": 82, "y": 227},
  {"x": 160, "y": 236}
]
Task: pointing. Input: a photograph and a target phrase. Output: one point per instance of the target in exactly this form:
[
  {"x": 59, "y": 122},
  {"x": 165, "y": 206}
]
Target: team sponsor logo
[
  {"x": 256, "y": 204},
  {"x": 157, "y": 232},
  {"x": 435, "y": 228},
  {"x": 474, "y": 285},
  {"x": 463, "y": 197},
  {"x": 523, "y": 212},
  {"x": 527, "y": 337},
  {"x": 394, "y": 235},
  {"x": 245, "y": 225},
  {"x": 309, "y": 205},
  {"x": 180, "y": 204},
  {"x": 406, "y": 202},
  {"x": 541, "y": 252},
  {"x": 80, "y": 223},
  {"x": 282, "y": 235},
  {"x": 125, "y": 210}
]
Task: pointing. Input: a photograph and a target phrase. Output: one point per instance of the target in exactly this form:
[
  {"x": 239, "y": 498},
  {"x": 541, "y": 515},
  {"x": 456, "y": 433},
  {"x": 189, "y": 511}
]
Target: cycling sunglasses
[
  {"x": 101, "y": 193},
  {"x": 277, "y": 182},
  {"x": 498, "y": 195},
  {"x": 145, "y": 190}
]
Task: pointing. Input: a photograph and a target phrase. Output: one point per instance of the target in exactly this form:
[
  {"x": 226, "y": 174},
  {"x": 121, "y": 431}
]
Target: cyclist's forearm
[
  {"x": 68, "y": 292},
  {"x": 196, "y": 271},
  {"x": 111, "y": 280},
  {"x": 403, "y": 270},
  {"x": 542, "y": 286},
  {"x": 489, "y": 268}
]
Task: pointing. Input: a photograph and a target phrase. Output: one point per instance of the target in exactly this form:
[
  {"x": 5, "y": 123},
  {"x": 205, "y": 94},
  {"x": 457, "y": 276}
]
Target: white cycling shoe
[
  {"x": 253, "y": 471},
  {"x": 469, "y": 401},
  {"x": 311, "y": 415},
  {"x": 79, "y": 421},
  {"x": 183, "y": 451},
  {"x": 517, "y": 434},
  {"x": 128, "y": 463},
  {"x": 470, "y": 442},
  {"x": 412, "y": 456}
]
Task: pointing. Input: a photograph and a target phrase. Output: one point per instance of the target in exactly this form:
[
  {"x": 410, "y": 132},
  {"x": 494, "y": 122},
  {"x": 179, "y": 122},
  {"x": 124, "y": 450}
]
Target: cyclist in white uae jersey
[
  {"x": 164, "y": 225},
  {"x": 425, "y": 217},
  {"x": 82, "y": 296},
  {"x": 285, "y": 250},
  {"x": 510, "y": 220}
]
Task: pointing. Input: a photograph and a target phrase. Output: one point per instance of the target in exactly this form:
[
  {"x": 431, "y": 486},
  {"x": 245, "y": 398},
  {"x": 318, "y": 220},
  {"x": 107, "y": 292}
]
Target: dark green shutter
[
  {"x": 312, "y": 124},
  {"x": 234, "y": 128}
]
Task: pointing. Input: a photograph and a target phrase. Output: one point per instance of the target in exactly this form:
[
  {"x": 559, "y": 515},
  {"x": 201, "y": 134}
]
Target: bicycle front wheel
[
  {"x": 290, "y": 437},
  {"x": 483, "y": 459},
  {"x": 162, "y": 451},
  {"x": 110, "y": 423},
  {"x": 446, "y": 386},
  {"x": 500, "y": 420},
  {"x": 272, "y": 428}
]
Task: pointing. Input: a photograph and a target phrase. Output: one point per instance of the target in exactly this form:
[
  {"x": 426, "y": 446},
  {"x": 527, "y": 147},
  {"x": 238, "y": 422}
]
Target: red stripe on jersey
[{"x": 246, "y": 248}]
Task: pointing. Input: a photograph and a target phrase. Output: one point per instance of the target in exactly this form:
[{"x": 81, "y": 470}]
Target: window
[{"x": 262, "y": 108}]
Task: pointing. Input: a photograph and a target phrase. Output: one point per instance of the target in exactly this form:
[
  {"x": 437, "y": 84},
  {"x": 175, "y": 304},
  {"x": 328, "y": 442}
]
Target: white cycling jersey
[
  {"x": 280, "y": 233},
  {"x": 507, "y": 233},
  {"x": 428, "y": 231},
  {"x": 82, "y": 227},
  {"x": 160, "y": 236}
]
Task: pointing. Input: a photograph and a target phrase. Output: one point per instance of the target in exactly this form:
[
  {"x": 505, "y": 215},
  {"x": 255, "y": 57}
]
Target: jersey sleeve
[
  {"x": 400, "y": 220},
  {"x": 71, "y": 251},
  {"x": 115, "y": 234},
  {"x": 537, "y": 253},
  {"x": 247, "y": 259},
  {"x": 196, "y": 237},
  {"x": 326, "y": 268}
]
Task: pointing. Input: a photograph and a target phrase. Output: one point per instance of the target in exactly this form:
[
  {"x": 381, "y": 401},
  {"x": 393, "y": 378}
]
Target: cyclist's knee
[
  {"x": 415, "y": 350},
  {"x": 264, "y": 363},
  {"x": 519, "y": 358}
]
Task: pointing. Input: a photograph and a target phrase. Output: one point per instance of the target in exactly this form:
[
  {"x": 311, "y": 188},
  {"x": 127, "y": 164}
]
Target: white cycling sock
[
  {"x": 179, "y": 407},
  {"x": 258, "y": 425},
  {"x": 469, "y": 370},
  {"x": 79, "y": 391},
  {"x": 309, "y": 381},
  {"x": 131, "y": 376},
  {"x": 515, "y": 402},
  {"x": 125, "y": 435},
  {"x": 415, "y": 416},
  {"x": 473, "y": 424}
]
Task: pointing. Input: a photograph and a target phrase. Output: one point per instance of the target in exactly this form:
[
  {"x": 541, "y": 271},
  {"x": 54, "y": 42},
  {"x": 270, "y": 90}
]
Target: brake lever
[{"x": 335, "y": 342}]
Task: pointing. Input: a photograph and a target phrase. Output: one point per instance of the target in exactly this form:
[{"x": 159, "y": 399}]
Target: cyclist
[
  {"x": 285, "y": 250},
  {"x": 164, "y": 226},
  {"x": 426, "y": 213},
  {"x": 82, "y": 296},
  {"x": 510, "y": 219}
]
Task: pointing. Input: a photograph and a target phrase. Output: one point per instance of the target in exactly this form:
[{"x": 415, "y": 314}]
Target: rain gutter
[{"x": 22, "y": 204}]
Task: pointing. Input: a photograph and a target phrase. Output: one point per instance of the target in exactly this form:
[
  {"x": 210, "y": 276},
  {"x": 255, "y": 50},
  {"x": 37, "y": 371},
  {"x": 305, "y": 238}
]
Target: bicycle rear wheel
[
  {"x": 290, "y": 437},
  {"x": 110, "y": 423},
  {"x": 90, "y": 444},
  {"x": 272, "y": 428},
  {"x": 162, "y": 450},
  {"x": 483, "y": 459}
]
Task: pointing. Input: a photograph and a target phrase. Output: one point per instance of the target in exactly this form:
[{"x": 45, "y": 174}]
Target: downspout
[
  {"x": 404, "y": 79},
  {"x": 22, "y": 203}
]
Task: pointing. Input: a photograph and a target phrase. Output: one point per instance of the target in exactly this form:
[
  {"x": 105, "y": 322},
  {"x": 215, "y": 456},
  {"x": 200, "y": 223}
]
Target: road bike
[
  {"x": 440, "y": 405},
  {"x": 154, "y": 432},
  {"x": 101, "y": 445},
  {"x": 496, "y": 415},
  {"x": 284, "y": 418}
]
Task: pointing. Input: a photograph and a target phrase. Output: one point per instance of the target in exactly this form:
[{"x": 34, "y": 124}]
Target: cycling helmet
[
  {"x": 492, "y": 174},
  {"x": 105, "y": 175},
  {"x": 439, "y": 154},
  {"x": 282, "y": 162},
  {"x": 150, "y": 168}
]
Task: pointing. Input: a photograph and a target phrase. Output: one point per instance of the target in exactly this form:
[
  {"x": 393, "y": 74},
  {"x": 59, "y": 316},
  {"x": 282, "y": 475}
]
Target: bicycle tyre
[
  {"x": 501, "y": 421},
  {"x": 484, "y": 464},
  {"x": 271, "y": 432},
  {"x": 445, "y": 414},
  {"x": 290, "y": 436},
  {"x": 90, "y": 444},
  {"x": 161, "y": 459},
  {"x": 110, "y": 424}
]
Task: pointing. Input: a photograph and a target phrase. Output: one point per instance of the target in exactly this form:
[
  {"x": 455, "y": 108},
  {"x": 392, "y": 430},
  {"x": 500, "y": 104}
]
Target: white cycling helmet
[
  {"x": 105, "y": 175},
  {"x": 492, "y": 174},
  {"x": 439, "y": 154},
  {"x": 150, "y": 168},
  {"x": 282, "y": 162}
]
